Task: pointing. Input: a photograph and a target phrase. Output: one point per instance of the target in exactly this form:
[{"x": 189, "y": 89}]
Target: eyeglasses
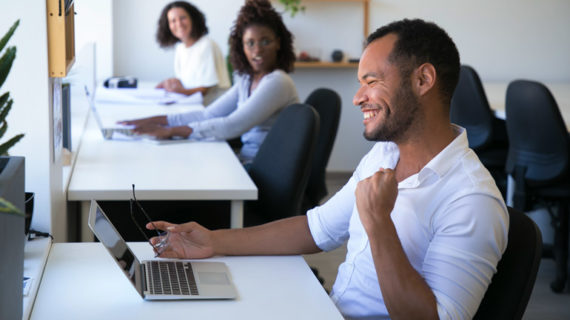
[
  {"x": 261, "y": 43},
  {"x": 163, "y": 236}
]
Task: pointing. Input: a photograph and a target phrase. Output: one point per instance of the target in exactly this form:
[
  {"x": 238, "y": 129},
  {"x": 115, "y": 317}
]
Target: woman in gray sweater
[{"x": 261, "y": 52}]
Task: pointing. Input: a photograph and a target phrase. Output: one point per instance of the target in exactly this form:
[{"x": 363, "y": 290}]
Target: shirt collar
[{"x": 442, "y": 162}]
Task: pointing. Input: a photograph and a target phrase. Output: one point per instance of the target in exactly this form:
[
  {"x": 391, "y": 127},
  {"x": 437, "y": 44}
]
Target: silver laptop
[
  {"x": 126, "y": 132},
  {"x": 162, "y": 279},
  {"x": 108, "y": 133}
]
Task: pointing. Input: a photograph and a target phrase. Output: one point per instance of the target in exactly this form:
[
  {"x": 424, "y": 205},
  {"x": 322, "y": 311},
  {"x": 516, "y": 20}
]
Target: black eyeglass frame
[{"x": 163, "y": 236}]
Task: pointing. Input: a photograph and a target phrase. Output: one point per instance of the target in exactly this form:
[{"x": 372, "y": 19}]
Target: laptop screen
[{"x": 112, "y": 240}]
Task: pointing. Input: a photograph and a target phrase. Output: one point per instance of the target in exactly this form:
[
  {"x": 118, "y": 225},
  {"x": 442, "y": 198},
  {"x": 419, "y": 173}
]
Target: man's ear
[{"x": 424, "y": 78}]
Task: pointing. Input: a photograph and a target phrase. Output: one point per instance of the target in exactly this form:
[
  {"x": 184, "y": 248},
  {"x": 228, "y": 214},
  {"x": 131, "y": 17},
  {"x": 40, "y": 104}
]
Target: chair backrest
[
  {"x": 327, "y": 104},
  {"x": 510, "y": 289},
  {"x": 470, "y": 108},
  {"x": 538, "y": 138},
  {"x": 281, "y": 167}
]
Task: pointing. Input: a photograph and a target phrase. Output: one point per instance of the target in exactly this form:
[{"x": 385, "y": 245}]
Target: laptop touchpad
[{"x": 213, "y": 278}]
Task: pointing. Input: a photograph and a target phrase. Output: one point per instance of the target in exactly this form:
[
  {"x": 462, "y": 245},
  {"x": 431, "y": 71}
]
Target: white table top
[
  {"x": 81, "y": 281},
  {"x": 35, "y": 257},
  {"x": 190, "y": 170}
]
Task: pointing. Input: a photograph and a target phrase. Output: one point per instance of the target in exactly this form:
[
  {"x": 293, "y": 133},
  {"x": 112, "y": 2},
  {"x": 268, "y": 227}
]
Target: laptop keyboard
[
  {"x": 171, "y": 278},
  {"x": 126, "y": 132}
]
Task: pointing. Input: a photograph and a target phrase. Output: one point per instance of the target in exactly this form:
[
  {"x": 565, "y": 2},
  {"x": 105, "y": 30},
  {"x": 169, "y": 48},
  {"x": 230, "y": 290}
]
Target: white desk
[
  {"x": 81, "y": 281},
  {"x": 35, "y": 258},
  {"x": 189, "y": 170}
]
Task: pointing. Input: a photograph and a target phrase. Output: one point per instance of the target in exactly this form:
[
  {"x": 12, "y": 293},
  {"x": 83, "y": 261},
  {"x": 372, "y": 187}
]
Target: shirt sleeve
[
  {"x": 268, "y": 98},
  {"x": 329, "y": 223},
  {"x": 469, "y": 240},
  {"x": 223, "y": 106}
]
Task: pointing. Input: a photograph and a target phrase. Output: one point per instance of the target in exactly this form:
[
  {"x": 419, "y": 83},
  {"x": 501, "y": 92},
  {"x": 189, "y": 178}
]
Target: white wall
[
  {"x": 503, "y": 40},
  {"x": 94, "y": 23},
  {"x": 31, "y": 113},
  {"x": 135, "y": 22}
]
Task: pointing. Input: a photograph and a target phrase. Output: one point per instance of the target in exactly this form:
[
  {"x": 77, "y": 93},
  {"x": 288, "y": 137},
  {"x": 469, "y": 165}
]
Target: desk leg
[
  {"x": 236, "y": 221},
  {"x": 86, "y": 233}
]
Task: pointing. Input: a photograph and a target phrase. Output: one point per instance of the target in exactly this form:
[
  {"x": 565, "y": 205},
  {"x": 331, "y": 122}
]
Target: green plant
[
  {"x": 5, "y": 101},
  {"x": 8, "y": 208},
  {"x": 293, "y": 6}
]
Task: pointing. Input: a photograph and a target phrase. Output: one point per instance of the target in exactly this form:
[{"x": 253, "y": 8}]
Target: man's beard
[{"x": 405, "y": 105}]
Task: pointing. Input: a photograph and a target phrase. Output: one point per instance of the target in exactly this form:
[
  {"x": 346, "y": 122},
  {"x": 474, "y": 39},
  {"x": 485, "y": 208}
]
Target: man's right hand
[{"x": 186, "y": 241}]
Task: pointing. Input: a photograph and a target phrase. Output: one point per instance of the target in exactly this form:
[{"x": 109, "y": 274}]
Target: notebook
[{"x": 162, "y": 279}]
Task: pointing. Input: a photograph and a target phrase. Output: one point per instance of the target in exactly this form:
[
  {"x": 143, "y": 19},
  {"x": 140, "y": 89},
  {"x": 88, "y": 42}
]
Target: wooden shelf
[
  {"x": 318, "y": 64},
  {"x": 61, "y": 36}
]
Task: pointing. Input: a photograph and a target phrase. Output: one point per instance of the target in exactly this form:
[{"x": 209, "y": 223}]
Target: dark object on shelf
[
  {"x": 120, "y": 82},
  {"x": 306, "y": 57},
  {"x": 354, "y": 60},
  {"x": 337, "y": 56}
]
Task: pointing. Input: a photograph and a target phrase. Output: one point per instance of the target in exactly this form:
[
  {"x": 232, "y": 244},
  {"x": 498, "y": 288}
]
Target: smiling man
[{"x": 424, "y": 222}]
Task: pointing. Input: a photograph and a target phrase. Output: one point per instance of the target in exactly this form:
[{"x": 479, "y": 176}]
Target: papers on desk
[{"x": 145, "y": 96}]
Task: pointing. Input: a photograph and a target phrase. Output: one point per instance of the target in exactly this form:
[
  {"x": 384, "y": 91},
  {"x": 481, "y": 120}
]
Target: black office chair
[
  {"x": 486, "y": 133},
  {"x": 280, "y": 169},
  {"x": 327, "y": 104},
  {"x": 510, "y": 288},
  {"x": 539, "y": 162}
]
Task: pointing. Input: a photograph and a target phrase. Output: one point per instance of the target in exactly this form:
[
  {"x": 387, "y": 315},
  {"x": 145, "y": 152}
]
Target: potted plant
[
  {"x": 293, "y": 6},
  {"x": 5, "y": 102},
  {"x": 11, "y": 168},
  {"x": 11, "y": 199}
]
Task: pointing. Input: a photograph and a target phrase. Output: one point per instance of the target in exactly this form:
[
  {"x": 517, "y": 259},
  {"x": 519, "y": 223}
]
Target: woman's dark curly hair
[
  {"x": 261, "y": 13},
  {"x": 165, "y": 38}
]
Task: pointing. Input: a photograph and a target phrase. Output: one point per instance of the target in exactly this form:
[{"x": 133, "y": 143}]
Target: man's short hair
[{"x": 420, "y": 42}]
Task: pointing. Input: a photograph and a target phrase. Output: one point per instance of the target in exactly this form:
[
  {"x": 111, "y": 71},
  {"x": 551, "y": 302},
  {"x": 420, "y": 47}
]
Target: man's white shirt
[{"x": 451, "y": 221}]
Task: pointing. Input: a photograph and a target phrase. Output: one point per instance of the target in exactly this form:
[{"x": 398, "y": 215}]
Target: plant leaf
[
  {"x": 10, "y": 143},
  {"x": 3, "y": 100},
  {"x": 6, "y": 63},
  {"x": 4, "y": 111},
  {"x": 3, "y": 128},
  {"x": 8, "y": 35},
  {"x": 8, "y": 208}
]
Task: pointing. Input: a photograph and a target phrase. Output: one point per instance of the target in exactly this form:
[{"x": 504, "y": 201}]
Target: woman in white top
[
  {"x": 198, "y": 62},
  {"x": 261, "y": 51}
]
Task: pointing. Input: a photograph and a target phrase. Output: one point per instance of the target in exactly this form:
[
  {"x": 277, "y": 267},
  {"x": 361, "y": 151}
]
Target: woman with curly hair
[
  {"x": 261, "y": 53},
  {"x": 198, "y": 62}
]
